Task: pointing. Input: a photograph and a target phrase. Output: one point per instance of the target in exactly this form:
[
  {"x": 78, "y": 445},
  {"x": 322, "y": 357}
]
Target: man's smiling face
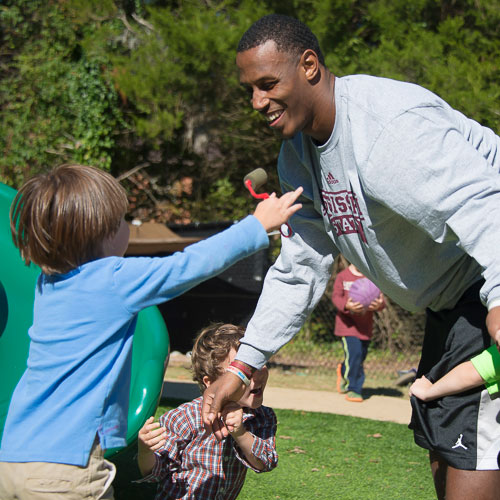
[{"x": 277, "y": 86}]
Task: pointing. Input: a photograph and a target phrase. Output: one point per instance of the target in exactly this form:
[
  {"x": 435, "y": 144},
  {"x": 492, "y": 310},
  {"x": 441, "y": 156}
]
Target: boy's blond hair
[
  {"x": 60, "y": 219},
  {"x": 211, "y": 347}
]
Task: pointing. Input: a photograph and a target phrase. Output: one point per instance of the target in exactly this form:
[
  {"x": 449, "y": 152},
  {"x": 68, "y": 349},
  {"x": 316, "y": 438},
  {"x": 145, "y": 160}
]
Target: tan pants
[{"x": 51, "y": 481}]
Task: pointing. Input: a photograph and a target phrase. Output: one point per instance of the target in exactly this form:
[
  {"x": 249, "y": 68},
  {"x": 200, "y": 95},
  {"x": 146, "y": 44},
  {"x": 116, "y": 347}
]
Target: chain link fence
[{"x": 394, "y": 350}]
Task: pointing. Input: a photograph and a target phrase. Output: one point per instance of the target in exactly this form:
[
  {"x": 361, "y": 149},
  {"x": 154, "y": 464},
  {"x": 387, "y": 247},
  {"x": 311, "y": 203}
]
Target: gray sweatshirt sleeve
[
  {"x": 297, "y": 280},
  {"x": 442, "y": 176}
]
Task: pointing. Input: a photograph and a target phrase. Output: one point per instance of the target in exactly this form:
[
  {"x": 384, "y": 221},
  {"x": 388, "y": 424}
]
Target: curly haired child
[{"x": 187, "y": 462}]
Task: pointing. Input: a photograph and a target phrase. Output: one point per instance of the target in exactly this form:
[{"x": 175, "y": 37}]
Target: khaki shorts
[{"x": 51, "y": 481}]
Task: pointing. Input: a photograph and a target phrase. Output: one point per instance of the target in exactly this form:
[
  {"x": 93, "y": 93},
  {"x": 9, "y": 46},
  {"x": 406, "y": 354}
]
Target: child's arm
[
  {"x": 339, "y": 295},
  {"x": 151, "y": 438},
  {"x": 461, "y": 378},
  {"x": 145, "y": 281},
  {"x": 256, "y": 439},
  {"x": 179, "y": 429},
  {"x": 341, "y": 299},
  {"x": 233, "y": 418}
]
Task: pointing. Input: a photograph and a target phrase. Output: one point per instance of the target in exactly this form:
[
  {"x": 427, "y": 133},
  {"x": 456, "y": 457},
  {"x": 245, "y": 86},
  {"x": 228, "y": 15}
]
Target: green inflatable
[{"x": 17, "y": 285}]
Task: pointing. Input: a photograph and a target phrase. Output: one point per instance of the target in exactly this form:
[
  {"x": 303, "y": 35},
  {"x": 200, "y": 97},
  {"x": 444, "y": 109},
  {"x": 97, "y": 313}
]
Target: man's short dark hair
[{"x": 289, "y": 34}]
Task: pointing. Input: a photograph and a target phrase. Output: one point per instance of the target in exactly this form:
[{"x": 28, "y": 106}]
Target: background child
[
  {"x": 189, "y": 463},
  {"x": 354, "y": 324},
  {"x": 481, "y": 369},
  {"x": 72, "y": 401}
]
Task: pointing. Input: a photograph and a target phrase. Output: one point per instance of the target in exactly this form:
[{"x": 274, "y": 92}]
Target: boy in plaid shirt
[{"x": 187, "y": 462}]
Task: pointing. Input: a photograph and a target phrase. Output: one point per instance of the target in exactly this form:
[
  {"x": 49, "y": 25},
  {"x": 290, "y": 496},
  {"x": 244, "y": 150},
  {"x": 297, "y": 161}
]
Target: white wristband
[{"x": 239, "y": 374}]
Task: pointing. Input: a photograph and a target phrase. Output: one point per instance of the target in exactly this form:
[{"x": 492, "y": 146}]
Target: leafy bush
[{"x": 56, "y": 105}]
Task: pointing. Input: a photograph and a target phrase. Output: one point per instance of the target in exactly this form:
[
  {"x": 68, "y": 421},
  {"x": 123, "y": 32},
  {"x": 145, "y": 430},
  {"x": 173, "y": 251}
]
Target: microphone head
[{"x": 257, "y": 177}]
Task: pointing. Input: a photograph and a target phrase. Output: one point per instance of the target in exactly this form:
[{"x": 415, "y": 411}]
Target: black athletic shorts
[{"x": 464, "y": 428}]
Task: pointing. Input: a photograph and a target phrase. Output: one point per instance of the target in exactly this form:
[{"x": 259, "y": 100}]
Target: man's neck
[{"x": 324, "y": 119}]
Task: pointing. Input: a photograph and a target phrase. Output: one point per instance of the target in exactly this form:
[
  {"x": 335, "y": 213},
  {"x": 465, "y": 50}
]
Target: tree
[
  {"x": 174, "y": 70},
  {"x": 56, "y": 105},
  {"x": 150, "y": 91}
]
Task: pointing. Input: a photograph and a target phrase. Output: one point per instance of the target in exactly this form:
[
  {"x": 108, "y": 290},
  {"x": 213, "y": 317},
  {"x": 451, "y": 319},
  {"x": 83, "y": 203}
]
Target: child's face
[
  {"x": 117, "y": 244},
  {"x": 254, "y": 393}
]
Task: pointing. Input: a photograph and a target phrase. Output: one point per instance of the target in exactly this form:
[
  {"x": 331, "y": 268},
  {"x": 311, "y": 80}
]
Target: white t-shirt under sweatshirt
[{"x": 406, "y": 188}]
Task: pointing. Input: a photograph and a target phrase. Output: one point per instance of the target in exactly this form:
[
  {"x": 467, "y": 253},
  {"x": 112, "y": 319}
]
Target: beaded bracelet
[
  {"x": 238, "y": 373},
  {"x": 243, "y": 367}
]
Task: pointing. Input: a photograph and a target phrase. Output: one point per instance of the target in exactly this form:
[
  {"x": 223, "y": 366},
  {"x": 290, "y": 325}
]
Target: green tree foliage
[
  {"x": 56, "y": 106},
  {"x": 449, "y": 47},
  {"x": 173, "y": 66},
  {"x": 150, "y": 88}
]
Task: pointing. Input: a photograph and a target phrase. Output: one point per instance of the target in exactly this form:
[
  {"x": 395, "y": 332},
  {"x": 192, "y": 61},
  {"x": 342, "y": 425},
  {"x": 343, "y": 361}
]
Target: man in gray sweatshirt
[{"x": 408, "y": 190}]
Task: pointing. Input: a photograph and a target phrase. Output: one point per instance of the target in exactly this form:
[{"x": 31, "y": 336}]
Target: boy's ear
[{"x": 206, "y": 381}]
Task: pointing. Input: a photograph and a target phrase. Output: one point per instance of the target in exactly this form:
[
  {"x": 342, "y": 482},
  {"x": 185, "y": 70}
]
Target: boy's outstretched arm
[
  {"x": 462, "y": 378},
  {"x": 274, "y": 211},
  {"x": 151, "y": 438}
]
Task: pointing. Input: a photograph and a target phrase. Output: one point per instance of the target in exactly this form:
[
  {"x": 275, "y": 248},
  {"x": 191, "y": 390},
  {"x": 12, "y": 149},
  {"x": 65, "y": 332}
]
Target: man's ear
[{"x": 310, "y": 64}]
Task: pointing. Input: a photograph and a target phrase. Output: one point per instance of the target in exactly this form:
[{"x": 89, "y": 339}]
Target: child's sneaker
[
  {"x": 354, "y": 397},
  {"x": 341, "y": 382}
]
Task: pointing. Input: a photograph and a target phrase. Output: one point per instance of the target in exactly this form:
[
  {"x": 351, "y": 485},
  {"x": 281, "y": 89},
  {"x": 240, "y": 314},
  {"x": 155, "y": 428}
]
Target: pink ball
[{"x": 364, "y": 291}]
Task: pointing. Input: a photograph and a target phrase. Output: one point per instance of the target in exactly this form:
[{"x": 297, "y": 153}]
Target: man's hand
[
  {"x": 228, "y": 388},
  {"x": 493, "y": 325}
]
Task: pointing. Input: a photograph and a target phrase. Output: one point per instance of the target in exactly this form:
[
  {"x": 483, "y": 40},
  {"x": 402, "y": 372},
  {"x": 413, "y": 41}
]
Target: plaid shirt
[{"x": 193, "y": 465}]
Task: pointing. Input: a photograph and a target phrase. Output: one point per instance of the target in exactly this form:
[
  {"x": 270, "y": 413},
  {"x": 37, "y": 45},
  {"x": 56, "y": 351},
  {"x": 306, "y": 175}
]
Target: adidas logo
[{"x": 331, "y": 179}]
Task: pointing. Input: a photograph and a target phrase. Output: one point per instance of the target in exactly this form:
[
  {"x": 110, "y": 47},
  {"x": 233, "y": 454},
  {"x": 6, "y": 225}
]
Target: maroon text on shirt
[{"x": 343, "y": 212}]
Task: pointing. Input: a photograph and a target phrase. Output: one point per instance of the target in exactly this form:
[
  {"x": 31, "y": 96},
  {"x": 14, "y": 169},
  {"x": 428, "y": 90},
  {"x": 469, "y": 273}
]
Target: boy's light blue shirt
[{"x": 78, "y": 371}]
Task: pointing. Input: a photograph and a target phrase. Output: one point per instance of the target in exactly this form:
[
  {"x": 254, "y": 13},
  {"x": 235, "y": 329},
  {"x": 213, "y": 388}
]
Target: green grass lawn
[{"x": 328, "y": 456}]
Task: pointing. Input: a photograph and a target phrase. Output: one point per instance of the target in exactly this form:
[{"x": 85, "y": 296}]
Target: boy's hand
[
  {"x": 354, "y": 307},
  {"x": 232, "y": 415},
  {"x": 151, "y": 435},
  {"x": 493, "y": 325},
  {"x": 377, "y": 304},
  {"x": 420, "y": 388},
  {"x": 274, "y": 212}
]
